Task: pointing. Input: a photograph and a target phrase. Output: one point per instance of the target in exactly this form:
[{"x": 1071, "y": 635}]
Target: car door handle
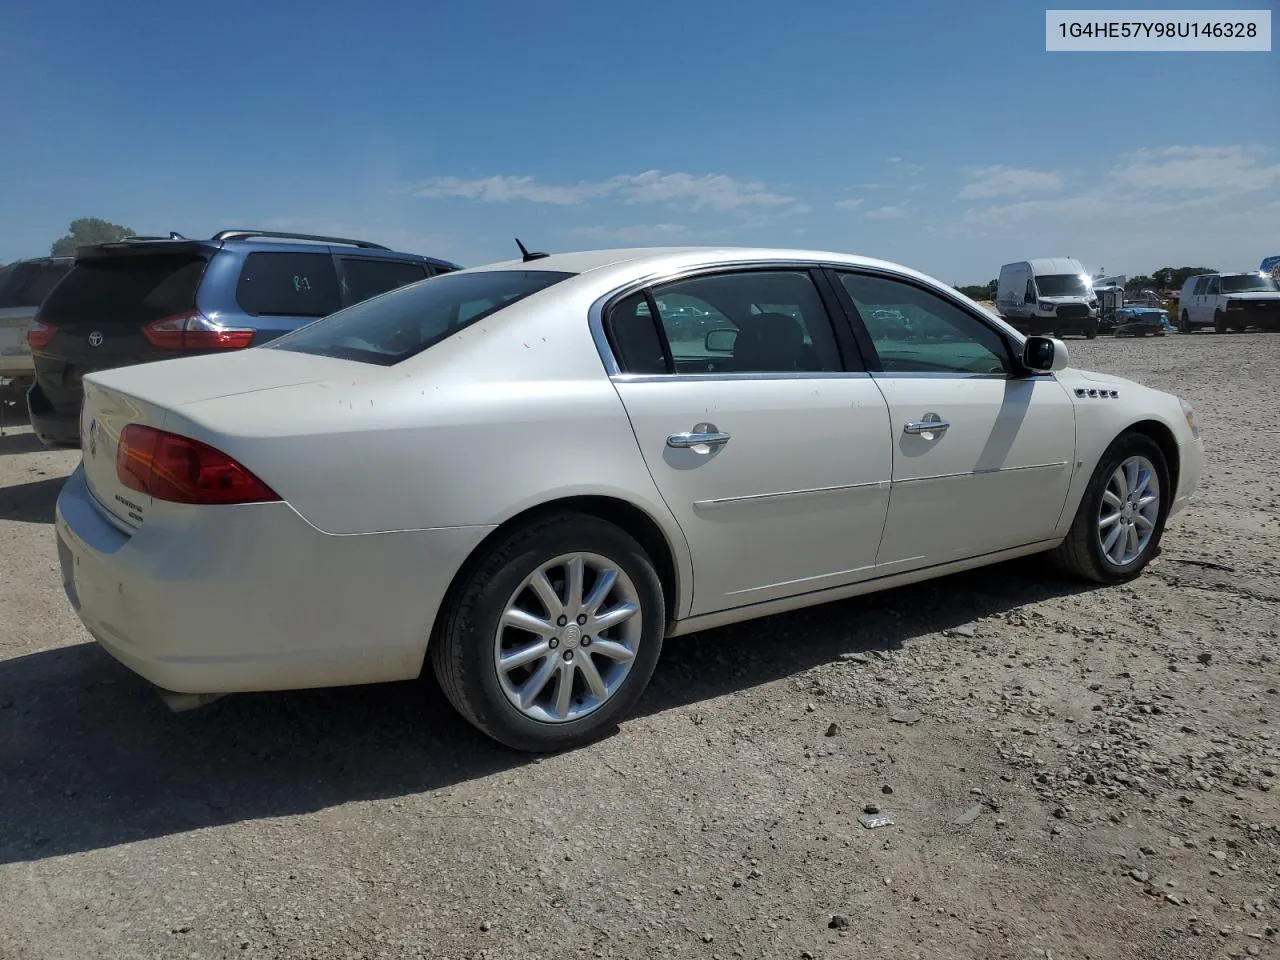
[
  {"x": 936, "y": 425},
  {"x": 683, "y": 441}
]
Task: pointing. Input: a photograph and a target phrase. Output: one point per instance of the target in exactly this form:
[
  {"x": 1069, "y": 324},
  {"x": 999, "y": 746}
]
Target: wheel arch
[
  {"x": 1165, "y": 440},
  {"x": 634, "y": 520}
]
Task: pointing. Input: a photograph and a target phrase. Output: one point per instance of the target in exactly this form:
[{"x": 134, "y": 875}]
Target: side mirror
[
  {"x": 720, "y": 341},
  {"x": 1044, "y": 354}
]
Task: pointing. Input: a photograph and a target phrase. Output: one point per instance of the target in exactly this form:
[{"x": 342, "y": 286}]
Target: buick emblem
[{"x": 95, "y": 338}]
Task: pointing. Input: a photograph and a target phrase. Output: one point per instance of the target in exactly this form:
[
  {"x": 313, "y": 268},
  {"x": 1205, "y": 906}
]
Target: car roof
[
  {"x": 644, "y": 260},
  {"x": 1047, "y": 265},
  {"x": 256, "y": 240}
]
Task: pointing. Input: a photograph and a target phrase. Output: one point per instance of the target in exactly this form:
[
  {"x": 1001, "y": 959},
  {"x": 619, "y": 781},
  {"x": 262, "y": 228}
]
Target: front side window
[
  {"x": 758, "y": 321},
  {"x": 408, "y": 320},
  {"x": 288, "y": 285},
  {"x": 914, "y": 330},
  {"x": 1213, "y": 287},
  {"x": 1250, "y": 283},
  {"x": 363, "y": 279},
  {"x": 1201, "y": 285}
]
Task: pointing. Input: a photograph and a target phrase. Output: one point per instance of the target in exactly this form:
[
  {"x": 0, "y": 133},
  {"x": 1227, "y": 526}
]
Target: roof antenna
[{"x": 526, "y": 256}]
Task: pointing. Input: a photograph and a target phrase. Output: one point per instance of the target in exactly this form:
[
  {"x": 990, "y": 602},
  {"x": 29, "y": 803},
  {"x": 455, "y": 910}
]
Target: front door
[
  {"x": 767, "y": 441},
  {"x": 981, "y": 457}
]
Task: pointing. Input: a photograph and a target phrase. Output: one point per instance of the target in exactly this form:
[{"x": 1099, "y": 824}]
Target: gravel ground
[{"x": 1071, "y": 772}]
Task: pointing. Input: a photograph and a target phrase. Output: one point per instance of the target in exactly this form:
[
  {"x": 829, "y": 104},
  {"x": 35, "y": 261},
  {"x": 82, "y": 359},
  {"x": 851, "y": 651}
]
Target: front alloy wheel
[
  {"x": 1120, "y": 519},
  {"x": 1129, "y": 511}
]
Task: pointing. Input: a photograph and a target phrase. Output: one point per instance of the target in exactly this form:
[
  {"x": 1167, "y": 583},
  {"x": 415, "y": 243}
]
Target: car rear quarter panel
[{"x": 510, "y": 414}]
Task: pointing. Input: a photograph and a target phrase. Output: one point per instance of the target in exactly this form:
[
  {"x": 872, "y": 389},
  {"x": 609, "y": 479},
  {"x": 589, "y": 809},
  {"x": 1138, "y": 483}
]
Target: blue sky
[{"x": 941, "y": 135}]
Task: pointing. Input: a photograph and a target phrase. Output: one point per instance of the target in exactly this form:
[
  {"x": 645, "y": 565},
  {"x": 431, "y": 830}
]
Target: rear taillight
[
  {"x": 195, "y": 331},
  {"x": 168, "y": 466},
  {"x": 39, "y": 334}
]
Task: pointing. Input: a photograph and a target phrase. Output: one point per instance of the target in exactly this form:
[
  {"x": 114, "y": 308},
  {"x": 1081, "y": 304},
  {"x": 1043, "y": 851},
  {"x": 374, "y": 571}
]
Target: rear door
[
  {"x": 100, "y": 308},
  {"x": 766, "y": 439}
]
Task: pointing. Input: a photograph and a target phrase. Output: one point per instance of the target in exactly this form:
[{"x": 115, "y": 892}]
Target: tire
[
  {"x": 1081, "y": 553},
  {"x": 466, "y": 642},
  {"x": 1219, "y": 322},
  {"x": 1184, "y": 324}
]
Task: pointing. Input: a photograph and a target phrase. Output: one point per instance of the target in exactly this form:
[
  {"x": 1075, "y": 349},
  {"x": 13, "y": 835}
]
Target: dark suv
[{"x": 152, "y": 298}]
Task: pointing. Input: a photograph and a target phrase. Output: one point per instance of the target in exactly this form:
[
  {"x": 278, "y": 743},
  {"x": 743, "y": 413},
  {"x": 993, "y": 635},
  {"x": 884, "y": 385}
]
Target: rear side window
[
  {"x": 288, "y": 285},
  {"x": 28, "y": 284},
  {"x": 410, "y": 319},
  {"x": 363, "y": 279},
  {"x": 129, "y": 289}
]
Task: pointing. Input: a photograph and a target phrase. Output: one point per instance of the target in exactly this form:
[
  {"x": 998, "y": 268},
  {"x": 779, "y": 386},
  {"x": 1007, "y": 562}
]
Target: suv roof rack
[{"x": 279, "y": 235}]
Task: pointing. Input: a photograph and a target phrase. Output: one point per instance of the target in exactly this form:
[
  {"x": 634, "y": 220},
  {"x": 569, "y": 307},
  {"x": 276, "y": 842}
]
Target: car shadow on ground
[
  {"x": 14, "y": 441},
  {"x": 91, "y": 758},
  {"x": 31, "y": 502}
]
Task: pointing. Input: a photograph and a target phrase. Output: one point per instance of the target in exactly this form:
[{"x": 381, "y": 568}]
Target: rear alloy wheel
[
  {"x": 1120, "y": 519},
  {"x": 1184, "y": 323},
  {"x": 554, "y": 635}
]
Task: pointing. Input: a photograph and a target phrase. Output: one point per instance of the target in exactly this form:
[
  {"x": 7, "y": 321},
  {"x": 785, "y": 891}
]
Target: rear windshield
[
  {"x": 1061, "y": 285},
  {"x": 1250, "y": 283},
  {"x": 27, "y": 284},
  {"x": 137, "y": 289},
  {"x": 396, "y": 325}
]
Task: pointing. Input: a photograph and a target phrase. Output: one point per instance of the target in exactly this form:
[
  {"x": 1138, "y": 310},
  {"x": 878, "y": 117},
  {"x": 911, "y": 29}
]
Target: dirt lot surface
[{"x": 1092, "y": 772}]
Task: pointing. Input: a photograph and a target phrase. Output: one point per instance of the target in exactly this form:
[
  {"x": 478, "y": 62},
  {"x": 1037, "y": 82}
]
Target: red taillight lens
[
  {"x": 195, "y": 331},
  {"x": 39, "y": 334},
  {"x": 176, "y": 468}
]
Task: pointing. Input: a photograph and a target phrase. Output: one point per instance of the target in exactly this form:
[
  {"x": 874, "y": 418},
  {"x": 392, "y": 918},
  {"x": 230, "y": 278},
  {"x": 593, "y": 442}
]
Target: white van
[
  {"x": 1051, "y": 296},
  {"x": 1229, "y": 301}
]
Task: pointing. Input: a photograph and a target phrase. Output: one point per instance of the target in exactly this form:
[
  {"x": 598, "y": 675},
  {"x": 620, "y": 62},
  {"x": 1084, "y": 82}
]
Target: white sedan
[{"x": 533, "y": 472}]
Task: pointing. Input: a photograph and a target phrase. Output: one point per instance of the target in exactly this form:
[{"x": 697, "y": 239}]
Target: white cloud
[
  {"x": 715, "y": 191},
  {"x": 853, "y": 203},
  {"x": 887, "y": 213},
  {"x": 1234, "y": 168},
  {"x": 1172, "y": 205},
  {"x": 1001, "y": 181},
  {"x": 893, "y": 160},
  {"x": 504, "y": 189},
  {"x": 635, "y": 233}
]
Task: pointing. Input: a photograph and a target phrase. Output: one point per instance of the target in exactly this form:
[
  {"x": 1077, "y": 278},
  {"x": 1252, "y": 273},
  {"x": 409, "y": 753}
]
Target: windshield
[
  {"x": 1250, "y": 283},
  {"x": 1061, "y": 285},
  {"x": 396, "y": 325}
]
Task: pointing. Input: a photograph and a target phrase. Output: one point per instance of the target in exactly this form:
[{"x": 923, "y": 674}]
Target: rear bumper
[
  {"x": 242, "y": 598},
  {"x": 54, "y": 428}
]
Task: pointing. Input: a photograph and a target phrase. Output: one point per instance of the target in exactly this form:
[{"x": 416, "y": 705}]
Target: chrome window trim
[{"x": 595, "y": 315}]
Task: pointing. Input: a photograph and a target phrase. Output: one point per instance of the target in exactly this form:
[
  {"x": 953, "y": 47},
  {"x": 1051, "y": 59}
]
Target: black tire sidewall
[
  {"x": 1120, "y": 450},
  {"x": 486, "y": 596}
]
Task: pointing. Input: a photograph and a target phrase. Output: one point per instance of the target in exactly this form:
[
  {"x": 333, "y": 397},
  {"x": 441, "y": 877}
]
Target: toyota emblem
[{"x": 95, "y": 338}]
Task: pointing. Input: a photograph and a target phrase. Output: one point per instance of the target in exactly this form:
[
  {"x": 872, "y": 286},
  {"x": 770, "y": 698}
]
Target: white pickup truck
[{"x": 23, "y": 287}]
